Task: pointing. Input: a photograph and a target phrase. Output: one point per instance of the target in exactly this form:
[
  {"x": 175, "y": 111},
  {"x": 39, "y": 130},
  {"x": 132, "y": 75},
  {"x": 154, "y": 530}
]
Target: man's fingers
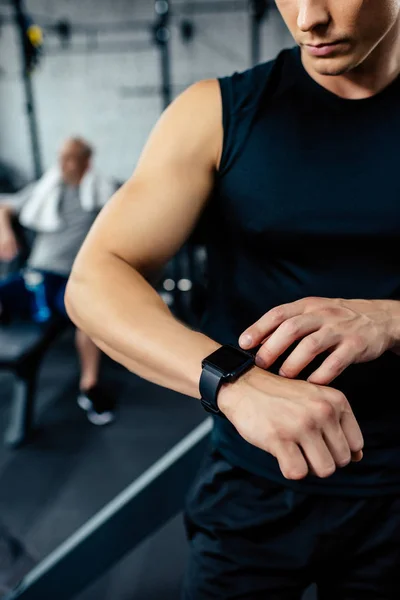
[
  {"x": 315, "y": 456},
  {"x": 352, "y": 432},
  {"x": 337, "y": 443},
  {"x": 357, "y": 456},
  {"x": 348, "y": 422},
  {"x": 289, "y": 332},
  {"x": 254, "y": 335},
  {"x": 291, "y": 461},
  {"x": 333, "y": 366},
  {"x": 318, "y": 455},
  {"x": 269, "y": 322},
  {"x": 305, "y": 352}
]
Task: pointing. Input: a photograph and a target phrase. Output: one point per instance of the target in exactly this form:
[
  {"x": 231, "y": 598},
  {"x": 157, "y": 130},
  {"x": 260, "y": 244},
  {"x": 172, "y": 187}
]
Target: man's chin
[{"x": 332, "y": 67}]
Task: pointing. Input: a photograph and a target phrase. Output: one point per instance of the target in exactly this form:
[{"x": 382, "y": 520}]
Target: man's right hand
[
  {"x": 8, "y": 244},
  {"x": 307, "y": 427}
]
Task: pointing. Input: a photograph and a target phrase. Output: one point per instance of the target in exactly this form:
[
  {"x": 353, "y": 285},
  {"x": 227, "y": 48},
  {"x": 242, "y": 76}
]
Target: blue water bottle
[{"x": 34, "y": 282}]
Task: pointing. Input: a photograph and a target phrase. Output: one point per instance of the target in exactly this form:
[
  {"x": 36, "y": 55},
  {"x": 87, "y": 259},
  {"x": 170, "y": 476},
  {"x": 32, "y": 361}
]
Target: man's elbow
[
  {"x": 71, "y": 300},
  {"x": 79, "y": 284},
  {"x": 75, "y": 294},
  {"x": 81, "y": 292}
]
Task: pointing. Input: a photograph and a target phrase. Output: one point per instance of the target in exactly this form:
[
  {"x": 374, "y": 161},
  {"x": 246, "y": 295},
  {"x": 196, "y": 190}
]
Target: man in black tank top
[
  {"x": 307, "y": 206},
  {"x": 297, "y": 162}
]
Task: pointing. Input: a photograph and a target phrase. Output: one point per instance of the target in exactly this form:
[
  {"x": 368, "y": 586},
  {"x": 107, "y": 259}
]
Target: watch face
[{"x": 228, "y": 359}]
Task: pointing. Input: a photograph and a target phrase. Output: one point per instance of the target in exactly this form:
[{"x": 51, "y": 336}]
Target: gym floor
[{"x": 71, "y": 469}]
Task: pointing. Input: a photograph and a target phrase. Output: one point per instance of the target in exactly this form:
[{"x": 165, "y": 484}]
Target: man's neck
[
  {"x": 380, "y": 68},
  {"x": 76, "y": 181}
]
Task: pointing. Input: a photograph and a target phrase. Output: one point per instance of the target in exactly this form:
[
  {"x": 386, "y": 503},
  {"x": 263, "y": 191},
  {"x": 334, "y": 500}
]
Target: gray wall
[{"x": 89, "y": 93}]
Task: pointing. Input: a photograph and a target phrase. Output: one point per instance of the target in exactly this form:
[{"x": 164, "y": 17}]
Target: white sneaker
[
  {"x": 103, "y": 418},
  {"x": 97, "y": 405},
  {"x": 84, "y": 403}
]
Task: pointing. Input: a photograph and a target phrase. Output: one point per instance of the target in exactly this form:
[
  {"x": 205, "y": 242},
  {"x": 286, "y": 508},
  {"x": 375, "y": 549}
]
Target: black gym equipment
[
  {"x": 162, "y": 36},
  {"x": 29, "y": 58},
  {"x": 22, "y": 349},
  {"x": 258, "y": 12},
  {"x": 23, "y": 346},
  {"x": 140, "y": 510}
]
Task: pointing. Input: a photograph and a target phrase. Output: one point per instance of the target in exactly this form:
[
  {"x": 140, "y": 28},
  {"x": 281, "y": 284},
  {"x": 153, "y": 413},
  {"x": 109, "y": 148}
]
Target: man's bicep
[
  {"x": 152, "y": 215},
  {"x": 151, "y": 219}
]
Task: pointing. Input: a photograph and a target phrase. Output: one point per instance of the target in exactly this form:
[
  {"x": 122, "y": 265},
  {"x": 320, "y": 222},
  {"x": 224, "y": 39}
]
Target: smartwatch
[{"x": 225, "y": 365}]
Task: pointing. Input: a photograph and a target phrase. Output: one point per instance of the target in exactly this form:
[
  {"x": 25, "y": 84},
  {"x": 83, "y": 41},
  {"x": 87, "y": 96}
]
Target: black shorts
[{"x": 252, "y": 539}]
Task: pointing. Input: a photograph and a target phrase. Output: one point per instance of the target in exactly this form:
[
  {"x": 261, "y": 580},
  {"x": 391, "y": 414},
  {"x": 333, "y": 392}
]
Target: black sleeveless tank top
[{"x": 307, "y": 203}]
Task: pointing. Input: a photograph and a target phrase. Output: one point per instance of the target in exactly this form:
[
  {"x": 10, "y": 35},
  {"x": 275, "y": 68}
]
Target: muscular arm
[
  {"x": 109, "y": 297},
  {"x": 143, "y": 226}
]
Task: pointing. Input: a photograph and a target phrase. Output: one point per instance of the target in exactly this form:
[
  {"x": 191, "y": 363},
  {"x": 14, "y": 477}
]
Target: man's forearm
[
  {"x": 128, "y": 320},
  {"x": 6, "y": 214}
]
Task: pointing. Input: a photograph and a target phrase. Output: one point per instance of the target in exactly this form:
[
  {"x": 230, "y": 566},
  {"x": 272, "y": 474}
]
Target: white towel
[{"x": 41, "y": 212}]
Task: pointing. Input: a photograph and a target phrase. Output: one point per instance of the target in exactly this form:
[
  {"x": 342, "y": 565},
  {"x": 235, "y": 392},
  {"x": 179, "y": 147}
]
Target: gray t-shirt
[{"x": 56, "y": 252}]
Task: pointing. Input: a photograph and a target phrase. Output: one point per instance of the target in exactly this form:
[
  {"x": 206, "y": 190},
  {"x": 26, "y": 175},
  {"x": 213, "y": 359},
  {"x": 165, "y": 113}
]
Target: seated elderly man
[{"x": 61, "y": 208}]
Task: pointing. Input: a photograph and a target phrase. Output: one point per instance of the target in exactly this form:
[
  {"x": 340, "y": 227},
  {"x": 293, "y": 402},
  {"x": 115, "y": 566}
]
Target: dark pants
[
  {"x": 17, "y": 301},
  {"x": 252, "y": 539}
]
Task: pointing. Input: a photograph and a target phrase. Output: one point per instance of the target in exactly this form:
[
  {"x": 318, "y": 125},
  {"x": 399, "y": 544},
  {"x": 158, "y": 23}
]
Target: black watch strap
[{"x": 210, "y": 382}]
